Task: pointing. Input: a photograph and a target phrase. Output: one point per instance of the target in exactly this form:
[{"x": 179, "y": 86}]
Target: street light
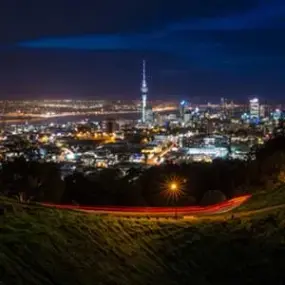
[
  {"x": 172, "y": 189},
  {"x": 173, "y": 186},
  {"x": 174, "y": 192}
]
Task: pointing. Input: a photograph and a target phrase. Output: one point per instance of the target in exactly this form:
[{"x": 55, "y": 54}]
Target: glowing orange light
[{"x": 173, "y": 186}]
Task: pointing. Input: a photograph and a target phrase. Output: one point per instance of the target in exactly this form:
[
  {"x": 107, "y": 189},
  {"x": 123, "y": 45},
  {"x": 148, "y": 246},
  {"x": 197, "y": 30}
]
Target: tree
[
  {"x": 133, "y": 174},
  {"x": 32, "y": 181}
]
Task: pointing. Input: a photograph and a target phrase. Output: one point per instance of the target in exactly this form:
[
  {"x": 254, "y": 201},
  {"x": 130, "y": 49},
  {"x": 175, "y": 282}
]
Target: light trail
[{"x": 152, "y": 211}]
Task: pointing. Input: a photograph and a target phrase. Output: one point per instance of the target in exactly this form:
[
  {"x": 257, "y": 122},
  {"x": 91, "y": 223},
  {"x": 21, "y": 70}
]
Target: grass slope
[
  {"x": 264, "y": 199},
  {"x": 45, "y": 246}
]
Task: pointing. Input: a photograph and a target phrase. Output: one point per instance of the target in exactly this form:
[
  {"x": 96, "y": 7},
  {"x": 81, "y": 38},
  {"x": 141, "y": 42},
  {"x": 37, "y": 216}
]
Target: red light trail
[{"x": 133, "y": 211}]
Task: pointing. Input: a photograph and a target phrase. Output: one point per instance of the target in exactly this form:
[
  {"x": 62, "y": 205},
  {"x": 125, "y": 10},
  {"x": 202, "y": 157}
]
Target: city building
[
  {"x": 183, "y": 108},
  {"x": 185, "y": 113},
  {"x": 187, "y": 116},
  {"x": 158, "y": 119},
  {"x": 262, "y": 111},
  {"x": 111, "y": 126},
  {"x": 254, "y": 108},
  {"x": 149, "y": 117}
]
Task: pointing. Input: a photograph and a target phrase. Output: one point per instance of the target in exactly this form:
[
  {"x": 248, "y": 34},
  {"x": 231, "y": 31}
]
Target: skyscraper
[
  {"x": 185, "y": 113},
  {"x": 184, "y": 106},
  {"x": 254, "y": 108},
  {"x": 144, "y": 91},
  {"x": 110, "y": 126}
]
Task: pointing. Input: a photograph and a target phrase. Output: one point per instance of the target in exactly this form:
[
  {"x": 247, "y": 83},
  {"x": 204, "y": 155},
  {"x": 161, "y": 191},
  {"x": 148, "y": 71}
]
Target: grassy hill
[
  {"x": 265, "y": 199},
  {"x": 41, "y": 246}
]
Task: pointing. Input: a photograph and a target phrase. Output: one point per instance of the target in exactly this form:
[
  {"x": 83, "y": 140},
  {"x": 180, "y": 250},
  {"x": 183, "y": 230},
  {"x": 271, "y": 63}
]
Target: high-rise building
[
  {"x": 223, "y": 104},
  {"x": 262, "y": 111},
  {"x": 254, "y": 108},
  {"x": 144, "y": 91},
  {"x": 111, "y": 126},
  {"x": 187, "y": 116},
  {"x": 158, "y": 119},
  {"x": 183, "y": 108}
]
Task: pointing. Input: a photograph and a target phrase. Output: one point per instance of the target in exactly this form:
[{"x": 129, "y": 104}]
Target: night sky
[{"x": 193, "y": 48}]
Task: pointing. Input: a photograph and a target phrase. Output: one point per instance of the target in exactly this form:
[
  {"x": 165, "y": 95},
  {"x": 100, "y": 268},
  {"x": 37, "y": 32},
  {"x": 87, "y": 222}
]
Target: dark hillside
[{"x": 42, "y": 247}]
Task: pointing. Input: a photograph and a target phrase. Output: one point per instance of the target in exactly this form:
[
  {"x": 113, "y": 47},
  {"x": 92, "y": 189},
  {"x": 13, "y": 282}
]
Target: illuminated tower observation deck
[{"x": 144, "y": 91}]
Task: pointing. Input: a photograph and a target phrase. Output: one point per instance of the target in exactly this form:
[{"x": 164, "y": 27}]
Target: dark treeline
[{"x": 202, "y": 183}]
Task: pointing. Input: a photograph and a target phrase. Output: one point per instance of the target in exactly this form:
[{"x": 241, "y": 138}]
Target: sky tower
[{"x": 144, "y": 91}]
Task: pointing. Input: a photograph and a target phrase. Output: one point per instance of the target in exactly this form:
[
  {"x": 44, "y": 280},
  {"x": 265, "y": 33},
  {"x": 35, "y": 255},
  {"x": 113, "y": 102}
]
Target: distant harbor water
[
  {"x": 62, "y": 120},
  {"x": 75, "y": 118}
]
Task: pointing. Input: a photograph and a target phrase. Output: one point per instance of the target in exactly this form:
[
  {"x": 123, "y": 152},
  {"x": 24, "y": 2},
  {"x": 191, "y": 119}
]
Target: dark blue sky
[{"x": 208, "y": 48}]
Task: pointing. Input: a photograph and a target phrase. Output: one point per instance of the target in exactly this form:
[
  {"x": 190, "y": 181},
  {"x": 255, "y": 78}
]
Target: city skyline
[{"x": 233, "y": 50}]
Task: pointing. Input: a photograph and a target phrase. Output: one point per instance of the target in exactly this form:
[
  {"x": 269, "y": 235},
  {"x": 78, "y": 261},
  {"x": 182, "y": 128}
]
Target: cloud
[
  {"x": 176, "y": 45},
  {"x": 89, "y": 42},
  {"x": 232, "y": 41}
]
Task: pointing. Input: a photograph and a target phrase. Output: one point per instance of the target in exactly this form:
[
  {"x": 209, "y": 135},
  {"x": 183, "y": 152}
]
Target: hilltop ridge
[{"x": 46, "y": 246}]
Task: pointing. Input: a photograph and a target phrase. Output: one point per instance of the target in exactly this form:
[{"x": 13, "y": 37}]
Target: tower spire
[
  {"x": 144, "y": 91},
  {"x": 144, "y": 78},
  {"x": 144, "y": 88}
]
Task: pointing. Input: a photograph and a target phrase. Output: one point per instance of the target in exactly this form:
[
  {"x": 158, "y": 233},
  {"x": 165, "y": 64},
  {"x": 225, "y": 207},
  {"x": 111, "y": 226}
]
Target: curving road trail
[{"x": 223, "y": 207}]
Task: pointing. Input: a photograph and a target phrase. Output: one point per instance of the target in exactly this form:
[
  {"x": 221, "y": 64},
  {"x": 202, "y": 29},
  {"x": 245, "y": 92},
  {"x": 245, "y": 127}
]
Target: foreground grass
[
  {"x": 265, "y": 199},
  {"x": 42, "y": 247}
]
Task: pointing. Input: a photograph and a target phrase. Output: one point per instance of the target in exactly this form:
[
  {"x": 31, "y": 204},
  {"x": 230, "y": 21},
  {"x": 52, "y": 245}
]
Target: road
[
  {"x": 153, "y": 160},
  {"x": 223, "y": 207}
]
